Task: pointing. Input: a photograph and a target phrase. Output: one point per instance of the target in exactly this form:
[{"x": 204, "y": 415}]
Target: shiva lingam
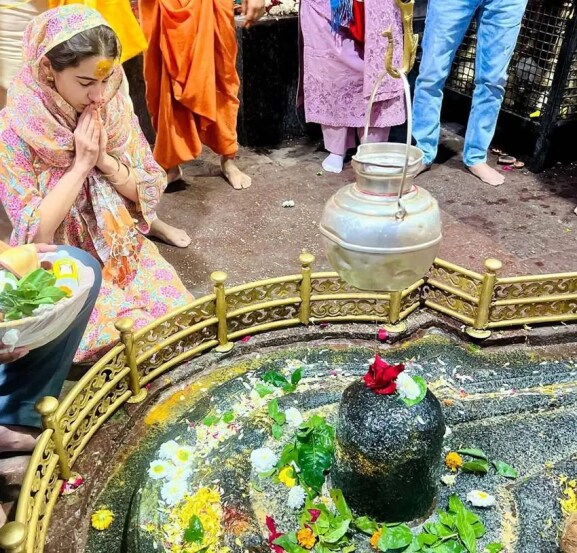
[{"x": 382, "y": 233}]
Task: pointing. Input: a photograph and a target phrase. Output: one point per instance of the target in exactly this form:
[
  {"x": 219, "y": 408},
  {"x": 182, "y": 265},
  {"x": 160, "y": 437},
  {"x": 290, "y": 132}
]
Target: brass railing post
[
  {"x": 394, "y": 324},
  {"x": 306, "y": 259},
  {"x": 219, "y": 278},
  {"x": 479, "y": 329},
  {"x": 46, "y": 407},
  {"x": 125, "y": 327},
  {"x": 12, "y": 537}
]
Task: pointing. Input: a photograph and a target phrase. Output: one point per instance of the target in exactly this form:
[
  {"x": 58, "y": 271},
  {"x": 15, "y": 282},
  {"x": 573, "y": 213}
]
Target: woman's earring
[{"x": 50, "y": 79}]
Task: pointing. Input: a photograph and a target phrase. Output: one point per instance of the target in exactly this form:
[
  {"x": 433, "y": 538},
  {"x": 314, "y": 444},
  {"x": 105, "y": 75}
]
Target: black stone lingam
[{"x": 387, "y": 455}]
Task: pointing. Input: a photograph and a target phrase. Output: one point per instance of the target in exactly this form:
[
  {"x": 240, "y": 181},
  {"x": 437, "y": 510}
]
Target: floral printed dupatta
[{"x": 46, "y": 123}]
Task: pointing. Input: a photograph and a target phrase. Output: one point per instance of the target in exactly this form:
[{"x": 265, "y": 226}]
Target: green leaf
[
  {"x": 274, "y": 378},
  {"x": 211, "y": 420},
  {"x": 366, "y": 525},
  {"x": 262, "y": 390},
  {"x": 195, "y": 531},
  {"x": 466, "y": 532},
  {"x": 450, "y": 546},
  {"x": 289, "y": 543},
  {"x": 337, "y": 532},
  {"x": 296, "y": 376},
  {"x": 314, "y": 461},
  {"x": 340, "y": 503},
  {"x": 288, "y": 455},
  {"x": 37, "y": 280},
  {"x": 446, "y": 519},
  {"x": 478, "y": 528},
  {"x": 275, "y": 413},
  {"x": 505, "y": 470},
  {"x": 426, "y": 539},
  {"x": 479, "y": 467},
  {"x": 348, "y": 548},
  {"x": 493, "y": 548},
  {"x": 422, "y": 392},
  {"x": 227, "y": 417},
  {"x": 472, "y": 452},
  {"x": 414, "y": 546},
  {"x": 395, "y": 538},
  {"x": 50, "y": 293},
  {"x": 276, "y": 431}
]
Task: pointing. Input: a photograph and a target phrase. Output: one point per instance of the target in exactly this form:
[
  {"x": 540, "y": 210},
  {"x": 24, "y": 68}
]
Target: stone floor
[{"x": 528, "y": 223}]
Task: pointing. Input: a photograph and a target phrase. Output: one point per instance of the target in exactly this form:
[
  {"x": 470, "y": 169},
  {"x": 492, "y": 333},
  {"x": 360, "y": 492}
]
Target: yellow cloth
[{"x": 120, "y": 17}]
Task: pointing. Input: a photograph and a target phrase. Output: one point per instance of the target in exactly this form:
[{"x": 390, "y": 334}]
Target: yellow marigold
[
  {"x": 569, "y": 501},
  {"x": 453, "y": 461},
  {"x": 102, "y": 519},
  {"x": 375, "y": 538},
  {"x": 306, "y": 538},
  {"x": 287, "y": 476}
]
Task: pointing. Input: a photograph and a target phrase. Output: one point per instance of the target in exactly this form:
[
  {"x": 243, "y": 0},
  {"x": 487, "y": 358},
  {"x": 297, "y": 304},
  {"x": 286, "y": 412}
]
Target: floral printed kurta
[{"x": 155, "y": 289}]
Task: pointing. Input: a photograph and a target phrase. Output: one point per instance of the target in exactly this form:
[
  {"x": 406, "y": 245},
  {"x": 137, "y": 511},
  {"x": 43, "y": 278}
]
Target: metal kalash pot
[{"x": 382, "y": 232}]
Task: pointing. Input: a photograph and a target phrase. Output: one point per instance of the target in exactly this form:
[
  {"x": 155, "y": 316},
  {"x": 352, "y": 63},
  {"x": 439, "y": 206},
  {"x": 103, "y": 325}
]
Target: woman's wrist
[{"x": 109, "y": 165}]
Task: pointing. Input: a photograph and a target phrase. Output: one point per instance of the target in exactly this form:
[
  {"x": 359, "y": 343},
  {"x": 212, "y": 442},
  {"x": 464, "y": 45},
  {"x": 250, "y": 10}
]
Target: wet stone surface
[{"x": 518, "y": 408}]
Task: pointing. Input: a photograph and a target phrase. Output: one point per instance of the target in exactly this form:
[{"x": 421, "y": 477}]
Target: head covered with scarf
[{"x": 46, "y": 123}]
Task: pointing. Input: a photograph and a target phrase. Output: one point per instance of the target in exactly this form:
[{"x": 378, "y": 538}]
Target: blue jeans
[
  {"x": 498, "y": 25},
  {"x": 42, "y": 372}
]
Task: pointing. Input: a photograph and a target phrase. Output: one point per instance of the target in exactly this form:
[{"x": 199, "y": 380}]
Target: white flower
[
  {"x": 293, "y": 417},
  {"x": 180, "y": 472},
  {"x": 449, "y": 479},
  {"x": 183, "y": 455},
  {"x": 173, "y": 492},
  {"x": 448, "y": 431},
  {"x": 159, "y": 469},
  {"x": 263, "y": 459},
  {"x": 296, "y": 497},
  {"x": 168, "y": 449},
  {"x": 11, "y": 337},
  {"x": 407, "y": 387},
  {"x": 478, "y": 498}
]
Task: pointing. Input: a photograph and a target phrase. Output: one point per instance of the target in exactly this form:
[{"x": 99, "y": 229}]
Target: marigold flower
[
  {"x": 306, "y": 538},
  {"x": 102, "y": 519},
  {"x": 453, "y": 461},
  {"x": 375, "y": 538},
  {"x": 287, "y": 477}
]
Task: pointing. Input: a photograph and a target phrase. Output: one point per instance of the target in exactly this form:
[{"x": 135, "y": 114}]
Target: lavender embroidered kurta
[{"x": 338, "y": 75}]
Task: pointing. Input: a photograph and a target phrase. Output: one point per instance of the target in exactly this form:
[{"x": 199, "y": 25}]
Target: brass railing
[{"x": 480, "y": 301}]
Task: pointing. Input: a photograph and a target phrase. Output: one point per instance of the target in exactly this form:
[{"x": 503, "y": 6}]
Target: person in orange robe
[{"x": 191, "y": 80}]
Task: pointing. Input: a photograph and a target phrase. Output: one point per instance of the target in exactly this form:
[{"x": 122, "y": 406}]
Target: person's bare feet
[
  {"x": 487, "y": 174},
  {"x": 236, "y": 178},
  {"x": 174, "y": 174},
  {"x": 423, "y": 168},
  {"x": 17, "y": 439},
  {"x": 168, "y": 234},
  {"x": 3, "y": 516}
]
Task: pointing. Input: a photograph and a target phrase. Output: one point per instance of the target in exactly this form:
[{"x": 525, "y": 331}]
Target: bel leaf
[
  {"x": 340, "y": 503},
  {"x": 337, "y": 531},
  {"x": 211, "y": 420},
  {"x": 289, "y": 544},
  {"x": 420, "y": 382},
  {"x": 195, "y": 531},
  {"x": 451, "y": 546},
  {"x": 227, "y": 417},
  {"x": 493, "y": 548},
  {"x": 296, "y": 376},
  {"x": 276, "y": 431},
  {"x": 314, "y": 462},
  {"x": 395, "y": 538},
  {"x": 466, "y": 532},
  {"x": 456, "y": 505},
  {"x": 472, "y": 452},
  {"x": 262, "y": 390},
  {"x": 505, "y": 470},
  {"x": 274, "y": 378},
  {"x": 479, "y": 466},
  {"x": 366, "y": 525}
]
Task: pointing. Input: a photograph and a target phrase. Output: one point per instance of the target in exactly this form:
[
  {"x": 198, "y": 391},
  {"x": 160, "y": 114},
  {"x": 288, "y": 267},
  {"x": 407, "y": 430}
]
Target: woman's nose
[{"x": 96, "y": 95}]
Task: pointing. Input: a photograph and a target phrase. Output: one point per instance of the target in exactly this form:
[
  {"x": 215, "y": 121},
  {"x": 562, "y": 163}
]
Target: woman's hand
[
  {"x": 101, "y": 163},
  {"x": 252, "y": 11},
  {"x": 87, "y": 140},
  {"x": 11, "y": 356}
]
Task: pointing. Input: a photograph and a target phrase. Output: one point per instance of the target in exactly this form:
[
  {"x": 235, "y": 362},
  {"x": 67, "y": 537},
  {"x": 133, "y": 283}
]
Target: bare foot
[
  {"x": 168, "y": 234},
  {"x": 17, "y": 439},
  {"x": 487, "y": 174},
  {"x": 236, "y": 178},
  {"x": 2, "y": 516},
  {"x": 174, "y": 174}
]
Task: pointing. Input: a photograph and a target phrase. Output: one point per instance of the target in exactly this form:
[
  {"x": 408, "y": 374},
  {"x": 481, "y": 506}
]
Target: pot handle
[{"x": 409, "y": 51}]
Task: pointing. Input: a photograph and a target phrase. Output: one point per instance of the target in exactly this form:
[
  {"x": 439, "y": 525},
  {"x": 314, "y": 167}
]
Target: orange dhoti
[{"x": 191, "y": 79}]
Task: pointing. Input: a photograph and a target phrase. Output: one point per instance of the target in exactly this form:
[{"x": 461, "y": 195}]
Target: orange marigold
[
  {"x": 375, "y": 538},
  {"x": 453, "y": 461},
  {"x": 306, "y": 538}
]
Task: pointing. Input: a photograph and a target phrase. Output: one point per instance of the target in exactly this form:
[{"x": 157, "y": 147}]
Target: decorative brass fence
[{"x": 480, "y": 301}]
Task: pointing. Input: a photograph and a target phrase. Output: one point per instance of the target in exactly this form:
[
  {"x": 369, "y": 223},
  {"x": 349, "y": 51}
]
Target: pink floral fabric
[
  {"x": 339, "y": 75},
  {"x": 37, "y": 147}
]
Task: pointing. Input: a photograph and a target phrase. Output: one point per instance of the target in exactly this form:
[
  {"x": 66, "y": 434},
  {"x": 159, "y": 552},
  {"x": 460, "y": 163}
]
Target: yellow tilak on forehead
[{"x": 103, "y": 69}]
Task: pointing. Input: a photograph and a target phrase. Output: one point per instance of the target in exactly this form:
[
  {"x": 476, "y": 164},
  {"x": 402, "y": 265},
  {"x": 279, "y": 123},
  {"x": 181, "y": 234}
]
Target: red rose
[{"x": 382, "y": 377}]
